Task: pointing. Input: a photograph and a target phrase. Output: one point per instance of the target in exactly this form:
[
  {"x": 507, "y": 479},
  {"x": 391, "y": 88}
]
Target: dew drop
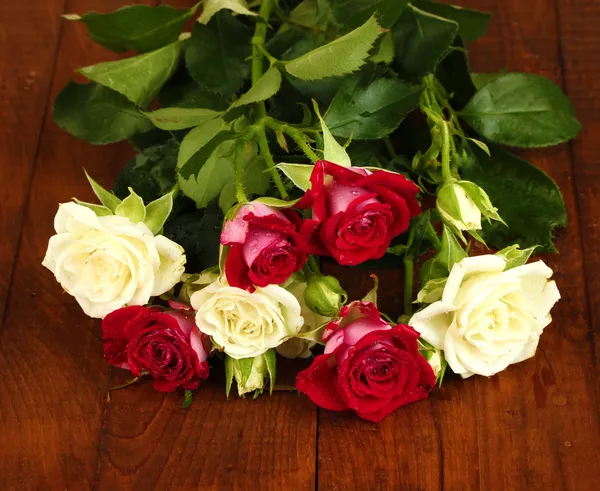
[{"x": 568, "y": 443}]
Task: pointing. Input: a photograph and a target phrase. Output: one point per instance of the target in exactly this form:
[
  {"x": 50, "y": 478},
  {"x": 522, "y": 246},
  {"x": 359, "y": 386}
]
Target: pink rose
[{"x": 266, "y": 245}]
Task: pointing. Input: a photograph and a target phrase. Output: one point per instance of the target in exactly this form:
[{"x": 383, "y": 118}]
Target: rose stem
[
  {"x": 258, "y": 41},
  {"x": 240, "y": 195},
  {"x": 389, "y": 147},
  {"x": 408, "y": 284},
  {"x": 446, "y": 175}
]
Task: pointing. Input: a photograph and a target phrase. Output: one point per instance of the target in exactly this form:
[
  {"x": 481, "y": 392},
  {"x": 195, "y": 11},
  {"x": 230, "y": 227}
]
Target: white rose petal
[
  {"x": 109, "y": 262},
  {"x": 246, "y": 324},
  {"x": 488, "y": 318}
]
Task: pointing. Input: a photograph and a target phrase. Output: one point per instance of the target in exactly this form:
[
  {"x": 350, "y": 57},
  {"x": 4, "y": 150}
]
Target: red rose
[
  {"x": 266, "y": 246},
  {"x": 167, "y": 345},
  {"x": 356, "y": 212},
  {"x": 368, "y": 366}
]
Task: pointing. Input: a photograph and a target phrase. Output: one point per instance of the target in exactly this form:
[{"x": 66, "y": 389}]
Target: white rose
[
  {"x": 488, "y": 318},
  {"x": 109, "y": 262},
  {"x": 246, "y": 324}
]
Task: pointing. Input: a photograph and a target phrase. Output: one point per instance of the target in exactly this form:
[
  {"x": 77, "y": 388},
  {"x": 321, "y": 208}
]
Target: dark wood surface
[{"x": 533, "y": 427}]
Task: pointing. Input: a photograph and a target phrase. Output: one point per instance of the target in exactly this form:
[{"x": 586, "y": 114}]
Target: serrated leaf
[
  {"x": 136, "y": 27},
  {"x": 271, "y": 362},
  {"x": 385, "y": 50},
  {"x": 305, "y": 14},
  {"x": 97, "y": 114},
  {"x": 132, "y": 208},
  {"x": 99, "y": 210},
  {"x": 472, "y": 23},
  {"x": 266, "y": 87},
  {"x": 527, "y": 199},
  {"x": 211, "y": 7},
  {"x": 299, "y": 174},
  {"x": 179, "y": 118},
  {"x": 421, "y": 39},
  {"x": 216, "y": 57},
  {"x": 256, "y": 180},
  {"x": 481, "y": 79},
  {"x": 515, "y": 256},
  {"x": 522, "y": 110},
  {"x": 228, "y": 374},
  {"x": 332, "y": 150},
  {"x": 157, "y": 212},
  {"x": 480, "y": 144},
  {"x": 227, "y": 197},
  {"x": 367, "y": 109},
  {"x": 352, "y": 13},
  {"x": 340, "y": 57},
  {"x": 107, "y": 198},
  {"x": 138, "y": 78},
  {"x": 440, "y": 266},
  {"x": 197, "y": 138}
]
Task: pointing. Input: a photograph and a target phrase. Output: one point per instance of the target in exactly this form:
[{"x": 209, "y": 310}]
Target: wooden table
[{"x": 533, "y": 427}]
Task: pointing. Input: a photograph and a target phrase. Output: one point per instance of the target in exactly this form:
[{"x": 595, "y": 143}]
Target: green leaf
[
  {"x": 187, "y": 401},
  {"x": 299, "y": 174},
  {"x": 440, "y": 266},
  {"x": 256, "y": 180},
  {"x": 371, "y": 295},
  {"x": 421, "y": 39},
  {"x": 197, "y": 231},
  {"x": 138, "y": 78},
  {"x": 385, "y": 50},
  {"x": 211, "y": 7},
  {"x": 266, "y": 87},
  {"x": 179, "y": 118},
  {"x": 271, "y": 362},
  {"x": 352, "y": 13},
  {"x": 157, "y": 212},
  {"x": 132, "y": 207},
  {"x": 340, "y": 57},
  {"x": 276, "y": 202},
  {"x": 227, "y": 197},
  {"x": 97, "y": 114},
  {"x": 151, "y": 173},
  {"x": 217, "y": 54},
  {"x": 522, "y": 110},
  {"x": 472, "y": 24},
  {"x": 197, "y": 138},
  {"x": 305, "y": 14},
  {"x": 515, "y": 256},
  {"x": 367, "y": 109},
  {"x": 99, "y": 210},
  {"x": 481, "y": 79},
  {"x": 136, "y": 27},
  {"x": 228, "y": 374},
  {"x": 527, "y": 199},
  {"x": 332, "y": 150},
  {"x": 432, "y": 291},
  {"x": 187, "y": 93},
  {"x": 480, "y": 144},
  {"x": 107, "y": 198},
  {"x": 421, "y": 233},
  {"x": 245, "y": 367}
]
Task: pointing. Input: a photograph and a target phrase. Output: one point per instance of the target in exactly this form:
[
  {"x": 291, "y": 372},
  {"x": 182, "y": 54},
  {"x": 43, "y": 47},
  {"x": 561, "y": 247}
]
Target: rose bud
[
  {"x": 167, "y": 345},
  {"x": 462, "y": 203},
  {"x": 253, "y": 381},
  {"x": 368, "y": 366},
  {"x": 324, "y": 295},
  {"x": 266, "y": 246},
  {"x": 357, "y": 212}
]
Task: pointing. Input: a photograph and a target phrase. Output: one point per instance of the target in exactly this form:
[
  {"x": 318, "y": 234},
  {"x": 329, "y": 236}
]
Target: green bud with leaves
[
  {"x": 250, "y": 373},
  {"x": 324, "y": 295}
]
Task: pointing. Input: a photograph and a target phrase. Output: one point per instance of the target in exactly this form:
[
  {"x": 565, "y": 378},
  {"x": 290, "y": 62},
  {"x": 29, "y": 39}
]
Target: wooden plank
[
  {"x": 150, "y": 442},
  {"x": 54, "y": 377},
  {"x": 580, "y": 43},
  {"x": 534, "y": 425},
  {"x": 28, "y": 40},
  {"x": 540, "y": 418}
]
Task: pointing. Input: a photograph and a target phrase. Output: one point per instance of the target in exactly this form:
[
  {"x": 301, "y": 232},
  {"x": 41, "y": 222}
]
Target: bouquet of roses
[{"x": 275, "y": 136}]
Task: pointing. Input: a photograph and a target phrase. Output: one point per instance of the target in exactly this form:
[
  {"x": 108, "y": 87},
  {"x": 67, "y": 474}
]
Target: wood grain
[
  {"x": 27, "y": 47},
  {"x": 54, "y": 376}
]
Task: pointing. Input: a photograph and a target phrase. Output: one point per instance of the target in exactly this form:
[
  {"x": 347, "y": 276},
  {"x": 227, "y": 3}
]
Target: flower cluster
[{"x": 215, "y": 244}]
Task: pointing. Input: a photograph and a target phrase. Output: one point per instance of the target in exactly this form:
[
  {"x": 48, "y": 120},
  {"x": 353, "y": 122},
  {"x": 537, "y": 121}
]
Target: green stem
[
  {"x": 240, "y": 195},
  {"x": 389, "y": 147},
  {"x": 313, "y": 265},
  {"x": 265, "y": 153},
  {"x": 446, "y": 174},
  {"x": 408, "y": 284},
  {"x": 296, "y": 135},
  {"x": 435, "y": 240}
]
